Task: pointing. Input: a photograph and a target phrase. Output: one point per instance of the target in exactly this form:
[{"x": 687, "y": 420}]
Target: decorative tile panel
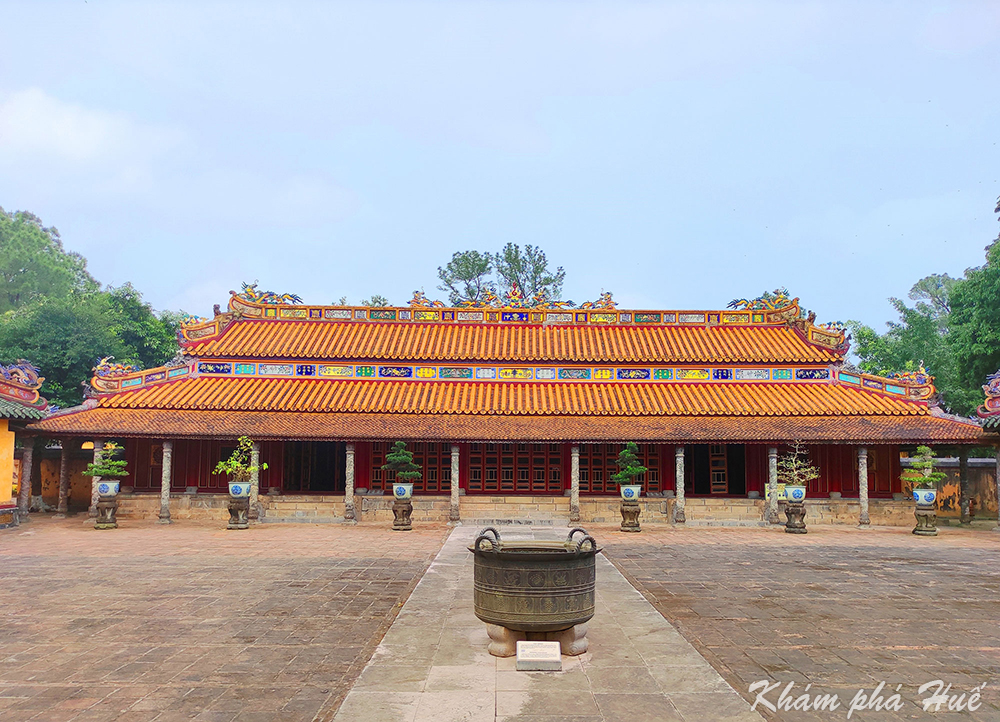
[
  {"x": 633, "y": 374},
  {"x": 293, "y": 313},
  {"x": 395, "y": 372},
  {"x": 603, "y": 317},
  {"x": 379, "y": 314},
  {"x": 245, "y": 369},
  {"x": 691, "y": 318},
  {"x": 515, "y": 373},
  {"x": 426, "y": 315},
  {"x": 426, "y": 372},
  {"x": 338, "y": 313},
  {"x": 812, "y": 374},
  {"x": 575, "y": 374},
  {"x": 782, "y": 374},
  {"x": 722, "y": 374},
  {"x": 849, "y": 378},
  {"x": 559, "y": 318},
  {"x": 469, "y": 315},
  {"x": 872, "y": 384},
  {"x": 365, "y": 372},
  {"x": 336, "y": 371},
  {"x": 692, "y": 375},
  {"x": 305, "y": 370},
  {"x": 753, "y": 374},
  {"x": 454, "y": 373},
  {"x": 663, "y": 374},
  {"x": 545, "y": 374},
  {"x": 275, "y": 369},
  {"x": 514, "y": 316},
  {"x": 174, "y": 373},
  {"x": 215, "y": 368},
  {"x": 158, "y": 376},
  {"x": 486, "y": 373},
  {"x": 603, "y": 374},
  {"x": 648, "y": 317}
]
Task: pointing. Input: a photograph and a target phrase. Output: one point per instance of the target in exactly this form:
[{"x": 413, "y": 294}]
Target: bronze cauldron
[{"x": 534, "y": 586}]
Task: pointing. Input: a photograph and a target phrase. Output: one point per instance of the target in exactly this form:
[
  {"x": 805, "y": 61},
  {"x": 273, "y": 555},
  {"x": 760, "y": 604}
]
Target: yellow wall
[{"x": 6, "y": 462}]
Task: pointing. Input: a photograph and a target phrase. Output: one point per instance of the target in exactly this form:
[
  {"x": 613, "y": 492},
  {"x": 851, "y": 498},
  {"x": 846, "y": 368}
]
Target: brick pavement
[
  {"x": 191, "y": 621},
  {"x": 839, "y": 608}
]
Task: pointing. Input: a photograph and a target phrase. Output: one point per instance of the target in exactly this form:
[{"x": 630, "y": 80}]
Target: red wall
[{"x": 193, "y": 461}]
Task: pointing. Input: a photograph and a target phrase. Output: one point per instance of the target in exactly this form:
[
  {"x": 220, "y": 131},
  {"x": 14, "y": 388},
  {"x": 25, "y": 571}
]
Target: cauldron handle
[
  {"x": 574, "y": 531},
  {"x": 584, "y": 540},
  {"x": 483, "y": 535}
]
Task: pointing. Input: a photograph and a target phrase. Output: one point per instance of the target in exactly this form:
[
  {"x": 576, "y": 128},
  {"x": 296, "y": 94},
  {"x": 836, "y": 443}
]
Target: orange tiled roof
[
  {"x": 264, "y": 425},
  {"x": 393, "y": 341},
  {"x": 520, "y": 399}
]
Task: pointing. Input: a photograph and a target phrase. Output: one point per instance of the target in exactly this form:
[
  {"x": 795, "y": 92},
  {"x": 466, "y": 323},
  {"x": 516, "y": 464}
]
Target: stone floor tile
[{"x": 640, "y": 707}]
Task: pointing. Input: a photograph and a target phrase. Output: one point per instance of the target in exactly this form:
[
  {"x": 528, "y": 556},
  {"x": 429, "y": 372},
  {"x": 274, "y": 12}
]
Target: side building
[
  {"x": 20, "y": 404},
  {"x": 517, "y": 410}
]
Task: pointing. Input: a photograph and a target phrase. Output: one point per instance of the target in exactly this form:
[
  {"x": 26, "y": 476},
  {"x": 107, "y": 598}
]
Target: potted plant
[
  {"x": 107, "y": 471},
  {"x": 240, "y": 470},
  {"x": 924, "y": 480},
  {"x": 795, "y": 471},
  {"x": 400, "y": 462},
  {"x": 629, "y": 469}
]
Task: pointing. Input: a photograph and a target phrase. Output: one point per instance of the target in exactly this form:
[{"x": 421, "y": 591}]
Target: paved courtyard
[
  {"x": 277, "y": 623},
  {"x": 839, "y": 608},
  {"x": 191, "y": 621}
]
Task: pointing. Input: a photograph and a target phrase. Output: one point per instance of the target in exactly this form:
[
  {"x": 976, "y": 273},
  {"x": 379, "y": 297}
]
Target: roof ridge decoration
[
  {"x": 990, "y": 410},
  {"x": 20, "y": 382},
  {"x": 534, "y": 312}
]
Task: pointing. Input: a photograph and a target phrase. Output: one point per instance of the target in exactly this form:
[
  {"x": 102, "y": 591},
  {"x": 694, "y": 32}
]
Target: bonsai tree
[
  {"x": 238, "y": 465},
  {"x": 400, "y": 462},
  {"x": 794, "y": 467},
  {"x": 108, "y": 466},
  {"x": 921, "y": 473},
  {"x": 628, "y": 465}
]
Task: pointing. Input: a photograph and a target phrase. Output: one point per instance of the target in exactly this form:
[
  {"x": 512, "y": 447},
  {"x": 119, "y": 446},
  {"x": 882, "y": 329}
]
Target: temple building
[
  {"x": 517, "y": 409},
  {"x": 20, "y": 403}
]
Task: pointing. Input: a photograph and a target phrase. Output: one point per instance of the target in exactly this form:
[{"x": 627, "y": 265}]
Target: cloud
[{"x": 34, "y": 124}]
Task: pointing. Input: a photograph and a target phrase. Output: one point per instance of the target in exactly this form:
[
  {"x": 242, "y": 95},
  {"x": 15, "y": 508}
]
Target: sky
[{"x": 679, "y": 155}]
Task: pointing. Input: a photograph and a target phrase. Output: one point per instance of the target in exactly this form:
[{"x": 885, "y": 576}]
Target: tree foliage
[
  {"x": 150, "y": 339},
  {"x": 238, "y": 466},
  {"x": 794, "y": 467},
  {"x": 528, "y": 269},
  {"x": 629, "y": 467},
  {"x": 400, "y": 462},
  {"x": 375, "y": 301},
  {"x": 107, "y": 466},
  {"x": 974, "y": 333},
  {"x": 921, "y": 474},
  {"x": 466, "y": 277},
  {"x": 34, "y": 264}
]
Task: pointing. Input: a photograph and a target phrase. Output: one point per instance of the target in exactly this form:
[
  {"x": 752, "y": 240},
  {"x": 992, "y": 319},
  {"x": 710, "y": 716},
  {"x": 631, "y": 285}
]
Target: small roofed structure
[
  {"x": 20, "y": 403},
  {"x": 514, "y": 397}
]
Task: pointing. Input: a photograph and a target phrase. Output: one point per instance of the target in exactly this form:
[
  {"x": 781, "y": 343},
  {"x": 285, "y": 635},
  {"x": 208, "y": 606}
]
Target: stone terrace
[
  {"x": 839, "y": 608},
  {"x": 195, "y": 622}
]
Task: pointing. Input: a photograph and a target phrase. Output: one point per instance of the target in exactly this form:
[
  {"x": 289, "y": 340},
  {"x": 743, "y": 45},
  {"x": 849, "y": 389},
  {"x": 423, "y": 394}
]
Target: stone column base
[
  {"x": 107, "y": 513},
  {"x": 401, "y": 511},
  {"x": 630, "y": 516},
  {"x": 926, "y": 520},
  {"x": 572, "y": 641},
  {"x": 796, "y": 513},
  {"x": 239, "y": 510}
]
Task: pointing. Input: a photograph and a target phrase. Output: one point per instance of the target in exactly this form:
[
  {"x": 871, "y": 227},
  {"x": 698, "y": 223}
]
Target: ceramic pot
[
  {"x": 926, "y": 497},
  {"x": 239, "y": 489},
  {"x": 630, "y": 492},
  {"x": 402, "y": 491},
  {"x": 107, "y": 488},
  {"x": 795, "y": 493}
]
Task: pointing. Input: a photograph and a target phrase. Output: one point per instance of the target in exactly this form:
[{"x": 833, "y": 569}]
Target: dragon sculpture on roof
[
  {"x": 778, "y": 298},
  {"x": 23, "y": 373},
  {"x": 106, "y": 368},
  {"x": 250, "y": 293}
]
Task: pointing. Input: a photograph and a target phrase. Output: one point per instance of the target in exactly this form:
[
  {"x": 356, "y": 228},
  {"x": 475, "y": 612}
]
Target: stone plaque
[{"x": 539, "y": 657}]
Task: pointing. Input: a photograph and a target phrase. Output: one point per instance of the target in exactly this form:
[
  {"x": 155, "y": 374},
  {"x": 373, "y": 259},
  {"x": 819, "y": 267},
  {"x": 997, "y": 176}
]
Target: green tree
[
  {"x": 64, "y": 337},
  {"x": 628, "y": 465},
  {"x": 918, "y": 338},
  {"x": 108, "y": 467},
  {"x": 974, "y": 326},
  {"x": 921, "y": 474},
  {"x": 400, "y": 462},
  {"x": 466, "y": 277},
  {"x": 794, "y": 467},
  {"x": 34, "y": 264},
  {"x": 528, "y": 269},
  {"x": 150, "y": 339},
  {"x": 376, "y": 301}
]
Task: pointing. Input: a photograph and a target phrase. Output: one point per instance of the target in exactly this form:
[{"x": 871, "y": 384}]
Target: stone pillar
[
  {"x": 679, "y": 517},
  {"x": 165, "y": 469},
  {"x": 63, "y": 506},
  {"x": 574, "y": 483},
  {"x": 454, "y": 512},
  {"x": 254, "y": 511},
  {"x": 95, "y": 480},
  {"x": 996, "y": 472},
  {"x": 24, "y": 485},
  {"x": 964, "y": 492},
  {"x": 350, "y": 515},
  {"x": 863, "y": 520},
  {"x": 772, "y": 485}
]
